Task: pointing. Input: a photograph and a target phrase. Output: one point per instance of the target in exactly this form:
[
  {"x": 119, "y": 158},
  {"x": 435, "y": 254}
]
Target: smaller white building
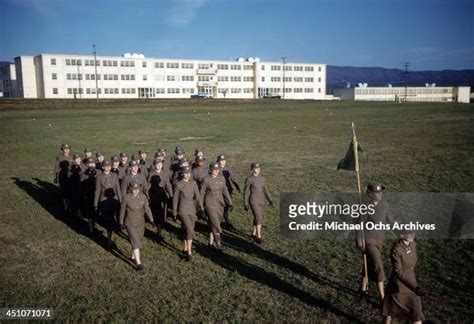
[
  {"x": 412, "y": 94},
  {"x": 8, "y": 85}
]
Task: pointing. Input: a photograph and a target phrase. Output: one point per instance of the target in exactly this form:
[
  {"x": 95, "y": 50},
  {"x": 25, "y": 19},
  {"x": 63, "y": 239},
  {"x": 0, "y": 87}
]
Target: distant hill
[{"x": 339, "y": 76}]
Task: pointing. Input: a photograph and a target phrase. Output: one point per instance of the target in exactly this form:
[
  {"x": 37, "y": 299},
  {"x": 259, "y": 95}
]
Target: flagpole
[{"x": 355, "y": 145}]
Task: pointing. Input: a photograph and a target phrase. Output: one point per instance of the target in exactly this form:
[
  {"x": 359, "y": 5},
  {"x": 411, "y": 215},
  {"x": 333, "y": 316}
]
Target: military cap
[
  {"x": 255, "y": 165},
  {"x": 200, "y": 158},
  {"x": 87, "y": 150},
  {"x": 157, "y": 161},
  {"x": 375, "y": 187},
  {"x": 134, "y": 185},
  {"x": 106, "y": 163},
  {"x": 98, "y": 154},
  {"x": 122, "y": 154},
  {"x": 179, "y": 150},
  {"x": 89, "y": 160},
  {"x": 186, "y": 169},
  {"x": 220, "y": 158},
  {"x": 76, "y": 156},
  {"x": 132, "y": 163},
  {"x": 161, "y": 150},
  {"x": 135, "y": 157},
  {"x": 65, "y": 146},
  {"x": 141, "y": 151},
  {"x": 198, "y": 150},
  {"x": 214, "y": 166},
  {"x": 115, "y": 158}
]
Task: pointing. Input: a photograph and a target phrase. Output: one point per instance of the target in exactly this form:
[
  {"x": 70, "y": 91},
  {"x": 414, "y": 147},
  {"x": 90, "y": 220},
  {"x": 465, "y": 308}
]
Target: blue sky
[{"x": 431, "y": 34}]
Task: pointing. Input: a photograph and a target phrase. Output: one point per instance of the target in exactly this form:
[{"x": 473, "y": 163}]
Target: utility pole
[
  {"x": 95, "y": 70},
  {"x": 406, "y": 65},
  {"x": 284, "y": 62}
]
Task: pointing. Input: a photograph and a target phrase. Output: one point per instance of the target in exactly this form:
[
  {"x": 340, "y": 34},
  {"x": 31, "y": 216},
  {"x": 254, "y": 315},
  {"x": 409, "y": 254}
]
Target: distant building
[
  {"x": 412, "y": 94},
  {"x": 134, "y": 76},
  {"x": 8, "y": 85}
]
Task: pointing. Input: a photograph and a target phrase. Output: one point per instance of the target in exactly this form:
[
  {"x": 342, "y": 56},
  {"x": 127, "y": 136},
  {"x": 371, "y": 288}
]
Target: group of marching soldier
[{"x": 126, "y": 191}]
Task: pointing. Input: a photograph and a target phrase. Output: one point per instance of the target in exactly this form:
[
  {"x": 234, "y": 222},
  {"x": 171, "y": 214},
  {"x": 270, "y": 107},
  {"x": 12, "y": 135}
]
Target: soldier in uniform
[
  {"x": 74, "y": 183},
  {"x": 255, "y": 193},
  {"x": 374, "y": 239},
  {"x": 200, "y": 171},
  {"x": 133, "y": 176},
  {"x": 120, "y": 172},
  {"x": 402, "y": 300},
  {"x": 197, "y": 153},
  {"x": 161, "y": 153},
  {"x": 88, "y": 192},
  {"x": 229, "y": 181},
  {"x": 99, "y": 160},
  {"x": 159, "y": 191},
  {"x": 123, "y": 161},
  {"x": 132, "y": 217},
  {"x": 107, "y": 198},
  {"x": 214, "y": 197},
  {"x": 144, "y": 163},
  {"x": 87, "y": 154},
  {"x": 175, "y": 161},
  {"x": 185, "y": 199},
  {"x": 61, "y": 170},
  {"x": 177, "y": 176}
]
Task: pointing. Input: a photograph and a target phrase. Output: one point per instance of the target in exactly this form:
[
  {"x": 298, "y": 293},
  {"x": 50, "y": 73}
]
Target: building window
[
  {"x": 248, "y": 67},
  {"x": 308, "y": 79},
  {"x": 236, "y": 67},
  {"x": 309, "y": 68},
  {"x": 170, "y": 78},
  {"x": 144, "y": 64},
  {"x": 275, "y": 68},
  {"x": 54, "y": 76},
  {"x": 222, "y": 66},
  {"x": 170, "y": 65},
  {"x": 223, "y": 78},
  {"x": 145, "y": 77},
  {"x": 55, "y": 91},
  {"x": 53, "y": 61},
  {"x": 263, "y": 79},
  {"x": 263, "y": 67},
  {"x": 187, "y": 78},
  {"x": 187, "y": 65},
  {"x": 319, "y": 90},
  {"x": 159, "y": 65},
  {"x": 319, "y": 69}
]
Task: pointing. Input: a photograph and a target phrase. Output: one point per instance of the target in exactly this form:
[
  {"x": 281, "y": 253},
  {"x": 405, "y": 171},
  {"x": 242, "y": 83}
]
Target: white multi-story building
[
  {"x": 8, "y": 86},
  {"x": 134, "y": 76},
  {"x": 415, "y": 94}
]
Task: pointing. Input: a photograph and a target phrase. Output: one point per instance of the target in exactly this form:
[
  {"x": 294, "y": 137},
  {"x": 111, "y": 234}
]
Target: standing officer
[
  {"x": 123, "y": 161},
  {"x": 88, "y": 192},
  {"x": 87, "y": 154},
  {"x": 402, "y": 300},
  {"x": 214, "y": 197},
  {"x": 197, "y": 153},
  {"x": 61, "y": 169},
  {"x": 74, "y": 183},
  {"x": 161, "y": 152},
  {"x": 107, "y": 198},
  {"x": 159, "y": 191},
  {"x": 133, "y": 176},
  {"x": 229, "y": 180},
  {"x": 132, "y": 217},
  {"x": 374, "y": 239},
  {"x": 200, "y": 171},
  {"x": 99, "y": 160},
  {"x": 255, "y": 192},
  {"x": 120, "y": 172},
  {"x": 144, "y": 163},
  {"x": 185, "y": 198}
]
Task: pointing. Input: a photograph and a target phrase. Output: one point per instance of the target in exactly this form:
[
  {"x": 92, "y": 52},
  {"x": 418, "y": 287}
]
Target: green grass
[{"x": 49, "y": 261}]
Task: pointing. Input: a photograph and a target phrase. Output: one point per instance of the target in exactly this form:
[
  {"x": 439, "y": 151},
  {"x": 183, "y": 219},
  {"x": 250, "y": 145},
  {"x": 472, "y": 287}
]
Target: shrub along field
[{"x": 49, "y": 260}]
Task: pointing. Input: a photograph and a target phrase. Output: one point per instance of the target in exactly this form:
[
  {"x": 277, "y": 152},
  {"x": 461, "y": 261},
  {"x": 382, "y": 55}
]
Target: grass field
[{"x": 50, "y": 261}]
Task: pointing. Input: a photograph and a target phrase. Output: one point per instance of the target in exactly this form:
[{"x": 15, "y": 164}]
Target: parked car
[
  {"x": 272, "y": 97},
  {"x": 202, "y": 96}
]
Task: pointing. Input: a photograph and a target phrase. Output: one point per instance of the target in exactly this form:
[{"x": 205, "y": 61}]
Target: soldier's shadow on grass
[
  {"x": 48, "y": 196},
  {"x": 261, "y": 276}
]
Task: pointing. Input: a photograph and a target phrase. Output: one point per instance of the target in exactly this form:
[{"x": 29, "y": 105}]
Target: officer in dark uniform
[
  {"x": 214, "y": 197},
  {"x": 374, "y": 239},
  {"x": 61, "y": 170},
  {"x": 133, "y": 210},
  {"x": 200, "y": 171},
  {"x": 88, "y": 191},
  {"x": 99, "y": 156},
  {"x": 107, "y": 198},
  {"x": 74, "y": 183},
  {"x": 159, "y": 191},
  {"x": 229, "y": 181},
  {"x": 255, "y": 193},
  {"x": 134, "y": 176},
  {"x": 197, "y": 154},
  {"x": 402, "y": 300},
  {"x": 185, "y": 198},
  {"x": 141, "y": 167},
  {"x": 87, "y": 154}
]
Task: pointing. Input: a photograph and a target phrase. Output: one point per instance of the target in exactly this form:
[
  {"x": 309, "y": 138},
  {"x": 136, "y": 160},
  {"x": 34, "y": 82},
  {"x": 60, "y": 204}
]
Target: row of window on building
[
  {"x": 401, "y": 91},
  {"x": 202, "y": 78},
  {"x": 176, "y": 65},
  {"x": 72, "y": 91}
]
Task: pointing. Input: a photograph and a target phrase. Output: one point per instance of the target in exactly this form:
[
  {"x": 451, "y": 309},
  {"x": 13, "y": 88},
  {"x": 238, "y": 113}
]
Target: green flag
[{"x": 348, "y": 161}]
